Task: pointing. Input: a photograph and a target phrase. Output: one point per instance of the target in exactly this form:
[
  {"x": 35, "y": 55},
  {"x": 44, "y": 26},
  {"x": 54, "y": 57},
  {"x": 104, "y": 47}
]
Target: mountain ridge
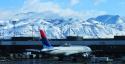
[{"x": 27, "y": 24}]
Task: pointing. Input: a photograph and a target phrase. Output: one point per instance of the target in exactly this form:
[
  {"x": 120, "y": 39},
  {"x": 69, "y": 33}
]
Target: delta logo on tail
[{"x": 45, "y": 41}]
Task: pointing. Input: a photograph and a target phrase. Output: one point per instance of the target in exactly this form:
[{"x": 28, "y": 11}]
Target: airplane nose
[{"x": 89, "y": 49}]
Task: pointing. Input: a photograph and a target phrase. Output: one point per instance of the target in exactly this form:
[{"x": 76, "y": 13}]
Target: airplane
[{"x": 61, "y": 51}]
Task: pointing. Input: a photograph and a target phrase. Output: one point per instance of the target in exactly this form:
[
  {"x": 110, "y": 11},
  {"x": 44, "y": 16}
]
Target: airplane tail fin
[{"x": 45, "y": 41}]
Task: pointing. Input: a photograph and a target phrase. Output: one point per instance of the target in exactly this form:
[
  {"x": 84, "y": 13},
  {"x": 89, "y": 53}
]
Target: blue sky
[
  {"x": 114, "y": 7},
  {"x": 10, "y": 4}
]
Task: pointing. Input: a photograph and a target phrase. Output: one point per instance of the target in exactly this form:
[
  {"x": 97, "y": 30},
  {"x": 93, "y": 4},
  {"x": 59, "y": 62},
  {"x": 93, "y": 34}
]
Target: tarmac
[{"x": 53, "y": 61}]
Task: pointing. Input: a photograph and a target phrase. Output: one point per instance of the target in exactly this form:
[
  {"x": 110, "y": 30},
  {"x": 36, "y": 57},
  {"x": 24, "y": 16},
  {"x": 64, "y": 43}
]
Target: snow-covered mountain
[
  {"x": 56, "y": 26},
  {"x": 109, "y": 19}
]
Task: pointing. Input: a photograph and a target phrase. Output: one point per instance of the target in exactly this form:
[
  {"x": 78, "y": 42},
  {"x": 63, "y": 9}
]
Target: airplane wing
[{"x": 33, "y": 50}]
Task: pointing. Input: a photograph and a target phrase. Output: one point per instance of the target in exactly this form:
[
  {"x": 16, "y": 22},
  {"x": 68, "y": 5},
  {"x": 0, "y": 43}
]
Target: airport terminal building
[{"x": 111, "y": 47}]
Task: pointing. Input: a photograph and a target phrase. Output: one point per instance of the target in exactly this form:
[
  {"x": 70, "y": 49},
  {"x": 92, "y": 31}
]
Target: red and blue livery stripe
[{"x": 45, "y": 41}]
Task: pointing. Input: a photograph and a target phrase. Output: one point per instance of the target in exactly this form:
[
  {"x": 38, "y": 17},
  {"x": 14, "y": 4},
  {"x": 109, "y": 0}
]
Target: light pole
[
  {"x": 3, "y": 33},
  {"x": 61, "y": 31},
  {"x": 69, "y": 29},
  {"x": 14, "y": 22},
  {"x": 32, "y": 30}
]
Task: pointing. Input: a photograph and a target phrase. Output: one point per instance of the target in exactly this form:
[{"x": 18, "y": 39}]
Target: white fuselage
[{"x": 69, "y": 50}]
